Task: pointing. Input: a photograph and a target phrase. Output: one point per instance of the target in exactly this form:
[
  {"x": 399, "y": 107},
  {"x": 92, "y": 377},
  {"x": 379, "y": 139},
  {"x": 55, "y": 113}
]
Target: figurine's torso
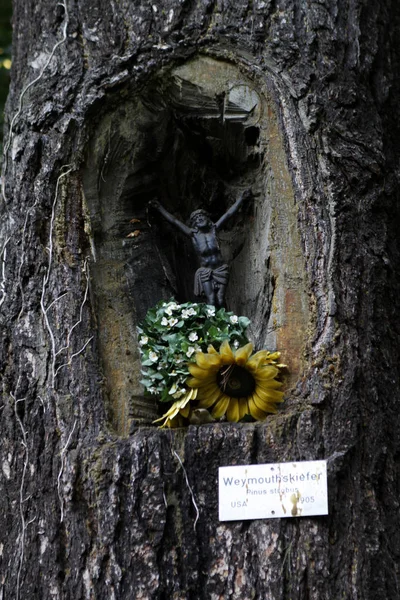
[{"x": 207, "y": 248}]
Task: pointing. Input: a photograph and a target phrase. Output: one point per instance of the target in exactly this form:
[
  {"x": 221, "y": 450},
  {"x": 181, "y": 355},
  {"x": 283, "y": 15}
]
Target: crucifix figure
[{"x": 211, "y": 277}]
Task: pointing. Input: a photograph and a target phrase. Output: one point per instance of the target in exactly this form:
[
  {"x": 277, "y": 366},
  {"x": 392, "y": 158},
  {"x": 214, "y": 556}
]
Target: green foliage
[{"x": 172, "y": 333}]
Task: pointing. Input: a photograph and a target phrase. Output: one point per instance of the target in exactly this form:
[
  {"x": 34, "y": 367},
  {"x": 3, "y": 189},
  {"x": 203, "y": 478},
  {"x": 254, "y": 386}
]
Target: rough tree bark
[{"x": 95, "y": 509}]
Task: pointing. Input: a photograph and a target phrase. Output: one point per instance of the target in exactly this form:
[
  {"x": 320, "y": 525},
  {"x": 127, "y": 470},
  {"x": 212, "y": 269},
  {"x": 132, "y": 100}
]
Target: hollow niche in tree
[{"x": 196, "y": 136}]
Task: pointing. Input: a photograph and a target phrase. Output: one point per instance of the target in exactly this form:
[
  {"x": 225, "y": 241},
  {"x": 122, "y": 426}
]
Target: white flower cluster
[{"x": 169, "y": 322}]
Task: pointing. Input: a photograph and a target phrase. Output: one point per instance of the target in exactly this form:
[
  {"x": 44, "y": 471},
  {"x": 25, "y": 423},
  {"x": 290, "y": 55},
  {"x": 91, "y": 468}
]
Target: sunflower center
[{"x": 235, "y": 381}]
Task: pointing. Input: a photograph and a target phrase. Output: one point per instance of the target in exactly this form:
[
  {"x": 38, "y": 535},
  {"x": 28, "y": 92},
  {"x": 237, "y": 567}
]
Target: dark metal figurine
[{"x": 211, "y": 277}]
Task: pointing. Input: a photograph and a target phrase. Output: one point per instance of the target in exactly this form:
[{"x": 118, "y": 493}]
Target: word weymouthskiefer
[{"x": 246, "y": 481}]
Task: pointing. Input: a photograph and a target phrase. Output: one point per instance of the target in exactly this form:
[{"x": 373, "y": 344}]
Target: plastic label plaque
[{"x": 293, "y": 489}]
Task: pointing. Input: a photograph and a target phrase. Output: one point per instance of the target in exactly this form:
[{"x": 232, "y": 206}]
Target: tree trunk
[{"x": 111, "y": 105}]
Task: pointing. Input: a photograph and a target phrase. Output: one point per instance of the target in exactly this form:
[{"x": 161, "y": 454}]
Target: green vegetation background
[{"x": 5, "y": 59}]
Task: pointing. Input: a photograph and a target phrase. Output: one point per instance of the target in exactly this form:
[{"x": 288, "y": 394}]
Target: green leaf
[
  {"x": 244, "y": 322},
  {"x": 147, "y": 363},
  {"x": 213, "y": 332},
  {"x": 171, "y": 338},
  {"x": 146, "y": 382},
  {"x": 158, "y": 375},
  {"x": 165, "y": 397}
]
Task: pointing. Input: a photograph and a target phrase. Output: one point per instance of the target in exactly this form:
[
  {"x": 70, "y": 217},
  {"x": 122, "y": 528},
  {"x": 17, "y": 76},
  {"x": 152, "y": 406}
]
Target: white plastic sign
[{"x": 295, "y": 489}]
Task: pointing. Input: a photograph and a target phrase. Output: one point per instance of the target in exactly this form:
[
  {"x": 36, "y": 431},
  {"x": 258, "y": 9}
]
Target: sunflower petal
[
  {"x": 270, "y": 384},
  {"x": 269, "y": 395},
  {"x": 226, "y": 353},
  {"x": 185, "y": 411},
  {"x": 206, "y": 390},
  {"x": 211, "y": 362},
  {"x": 177, "y": 421},
  {"x": 272, "y": 356},
  {"x": 193, "y": 382},
  {"x": 232, "y": 412},
  {"x": 242, "y": 355},
  {"x": 265, "y": 373},
  {"x": 268, "y": 407},
  {"x": 173, "y": 410},
  {"x": 243, "y": 408},
  {"x": 254, "y": 362},
  {"x": 200, "y": 373},
  {"x": 209, "y": 398},
  {"x": 192, "y": 393},
  {"x": 256, "y": 412},
  {"x": 220, "y": 407},
  {"x": 211, "y": 349},
  {"x": 170, "y": 414}
]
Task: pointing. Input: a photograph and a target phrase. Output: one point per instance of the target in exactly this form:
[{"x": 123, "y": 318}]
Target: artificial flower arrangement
[{"x": 199, "y": 357}]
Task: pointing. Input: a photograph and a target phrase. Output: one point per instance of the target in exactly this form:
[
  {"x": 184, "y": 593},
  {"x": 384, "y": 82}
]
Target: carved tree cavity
[{"x": 194, "y": 136}]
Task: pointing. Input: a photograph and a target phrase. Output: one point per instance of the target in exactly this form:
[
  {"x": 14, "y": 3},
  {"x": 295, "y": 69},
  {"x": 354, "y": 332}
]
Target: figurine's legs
[
  {"x": 221, "y": 295},
  {"x": 209, "y": 291}
]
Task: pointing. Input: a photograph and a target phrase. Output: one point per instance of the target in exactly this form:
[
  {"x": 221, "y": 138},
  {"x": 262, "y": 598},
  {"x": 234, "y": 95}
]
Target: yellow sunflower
[{"x": 236, "y": 383}]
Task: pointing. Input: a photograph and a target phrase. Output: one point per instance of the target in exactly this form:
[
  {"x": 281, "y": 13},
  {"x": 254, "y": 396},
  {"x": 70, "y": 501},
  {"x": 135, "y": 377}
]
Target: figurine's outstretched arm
[
  {"x": 170, "y": 218},
  {"x": 233, "y": 209}
]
